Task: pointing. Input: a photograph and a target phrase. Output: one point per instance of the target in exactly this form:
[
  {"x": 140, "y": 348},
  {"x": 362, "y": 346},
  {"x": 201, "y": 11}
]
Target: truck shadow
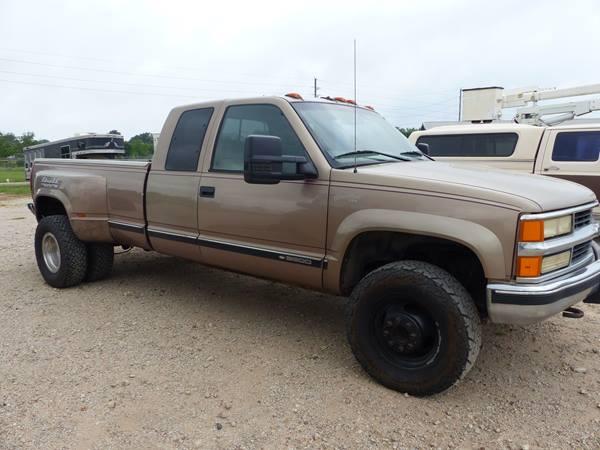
[{"x": 309, "y": 323}]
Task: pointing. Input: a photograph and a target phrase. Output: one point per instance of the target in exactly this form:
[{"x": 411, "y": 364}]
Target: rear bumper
[{"x": 525, "y": 304}]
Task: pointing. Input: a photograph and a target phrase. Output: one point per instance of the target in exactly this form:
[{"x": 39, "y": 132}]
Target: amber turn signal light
[
  {"x": 532, "y": 231},
  {"x": 529, "y": 266}
]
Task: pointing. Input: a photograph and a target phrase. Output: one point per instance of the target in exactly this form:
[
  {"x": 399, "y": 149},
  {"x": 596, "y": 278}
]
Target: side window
[
  {"x": 241, "y": 121},
  {"x": 474, "y": 145},
  {"x": 187, "y": 139},
  {"x": 576, "y": 146},
  {"x": 65, "y": 151}
]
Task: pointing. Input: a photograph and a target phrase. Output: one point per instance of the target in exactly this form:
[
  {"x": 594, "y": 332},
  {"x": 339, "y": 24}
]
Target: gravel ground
[{"x": 170, "y": 354}]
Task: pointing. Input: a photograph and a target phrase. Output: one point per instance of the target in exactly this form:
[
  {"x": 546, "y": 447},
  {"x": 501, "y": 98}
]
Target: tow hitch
[{"x": 573, "y": 313}]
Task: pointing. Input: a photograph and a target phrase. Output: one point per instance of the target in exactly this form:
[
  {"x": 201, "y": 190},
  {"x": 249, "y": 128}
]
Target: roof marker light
[{"x": 294, "y": 95}]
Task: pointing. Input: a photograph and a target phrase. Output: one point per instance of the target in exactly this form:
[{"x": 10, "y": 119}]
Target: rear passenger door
[
  {"x": 173, "y": 183},
  {"x": 275, "y": 231},
  {"x": 573, "y": 155}
]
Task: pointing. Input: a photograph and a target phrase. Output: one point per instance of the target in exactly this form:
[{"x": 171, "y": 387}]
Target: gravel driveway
[{"x": 170, "y": 354}]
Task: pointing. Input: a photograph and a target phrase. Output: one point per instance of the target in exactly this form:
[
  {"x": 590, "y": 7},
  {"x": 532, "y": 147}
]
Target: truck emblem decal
[
  {"x": 296, "y": 259},
  {"x": 50, "y": 182}
]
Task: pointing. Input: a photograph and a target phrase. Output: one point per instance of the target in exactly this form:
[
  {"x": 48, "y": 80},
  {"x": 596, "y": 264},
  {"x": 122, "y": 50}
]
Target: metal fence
[{"x": 9, "y": 163}]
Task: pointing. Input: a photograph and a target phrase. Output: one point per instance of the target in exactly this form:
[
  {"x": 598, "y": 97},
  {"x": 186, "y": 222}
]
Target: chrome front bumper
[{"x": 522, "y": 304}]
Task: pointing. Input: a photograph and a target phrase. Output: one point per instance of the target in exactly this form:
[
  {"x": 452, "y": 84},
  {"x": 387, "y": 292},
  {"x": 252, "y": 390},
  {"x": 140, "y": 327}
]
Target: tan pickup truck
[{"x": 283, "y": 188}]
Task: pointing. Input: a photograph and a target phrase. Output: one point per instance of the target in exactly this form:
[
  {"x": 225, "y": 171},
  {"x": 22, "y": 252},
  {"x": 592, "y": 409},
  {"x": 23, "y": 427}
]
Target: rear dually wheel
[{"x": 61, "y": 256}]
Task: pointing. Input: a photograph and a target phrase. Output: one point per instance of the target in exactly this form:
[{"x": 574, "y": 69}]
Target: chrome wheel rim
[{"x": 51, "y": 252}]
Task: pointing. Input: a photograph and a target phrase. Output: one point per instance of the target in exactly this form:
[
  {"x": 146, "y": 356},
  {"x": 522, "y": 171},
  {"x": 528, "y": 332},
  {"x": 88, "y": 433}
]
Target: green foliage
[
  {"x": 406, "y": 131},
  {"x": 12, "y": 174},
  {"x": 15, "y": 190},
  {"x": 140, "y": 146},
  {"x": 13, "y": 145}
]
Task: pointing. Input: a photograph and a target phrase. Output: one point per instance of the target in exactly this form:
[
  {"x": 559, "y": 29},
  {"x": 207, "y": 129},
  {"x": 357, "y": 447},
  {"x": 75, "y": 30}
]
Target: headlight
[
  {"x": 539, "y": 230},
  {"x": 555, "y": 262},
  {"x": 558, "y": 226}
]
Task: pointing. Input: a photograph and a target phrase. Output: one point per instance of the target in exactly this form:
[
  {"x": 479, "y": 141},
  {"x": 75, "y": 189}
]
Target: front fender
[{"x": 482, "y": 241}]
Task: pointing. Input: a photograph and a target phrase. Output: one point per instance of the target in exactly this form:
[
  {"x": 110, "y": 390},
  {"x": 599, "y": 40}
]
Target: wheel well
[
  {"x": 49, "y": 206},
  {"x": 371, "y": 250}
]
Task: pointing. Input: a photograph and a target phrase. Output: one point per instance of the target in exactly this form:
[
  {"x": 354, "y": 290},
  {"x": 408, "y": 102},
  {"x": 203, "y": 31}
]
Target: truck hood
[{"x": 530, "y": 193}]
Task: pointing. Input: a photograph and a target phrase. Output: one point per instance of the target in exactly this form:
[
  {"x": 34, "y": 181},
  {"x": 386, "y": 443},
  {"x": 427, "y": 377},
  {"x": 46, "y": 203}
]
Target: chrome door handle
[{"x": 546, "y": 169}]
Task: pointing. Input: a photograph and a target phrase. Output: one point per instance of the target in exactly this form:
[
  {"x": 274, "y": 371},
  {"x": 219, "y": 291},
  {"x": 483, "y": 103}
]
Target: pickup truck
[
  {"x": 307, "y": 193},
  {"x": 569, "y": 152}
]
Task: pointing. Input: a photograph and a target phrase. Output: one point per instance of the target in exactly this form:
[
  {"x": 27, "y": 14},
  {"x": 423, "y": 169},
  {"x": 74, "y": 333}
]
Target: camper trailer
[{"x": 84, "y": 146}]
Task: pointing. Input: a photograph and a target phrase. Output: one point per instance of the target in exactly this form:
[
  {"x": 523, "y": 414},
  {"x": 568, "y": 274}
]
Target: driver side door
[{"x": 274, "y": 231}]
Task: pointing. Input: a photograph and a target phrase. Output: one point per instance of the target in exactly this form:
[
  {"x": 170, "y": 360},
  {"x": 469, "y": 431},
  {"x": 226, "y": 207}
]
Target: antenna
[{"x": 355, "y": 106}]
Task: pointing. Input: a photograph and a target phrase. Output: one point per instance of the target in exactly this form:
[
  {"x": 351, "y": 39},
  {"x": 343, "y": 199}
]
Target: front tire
[
  {"x": 413, "y": 327},
  {"x": 61, "y": 256}
]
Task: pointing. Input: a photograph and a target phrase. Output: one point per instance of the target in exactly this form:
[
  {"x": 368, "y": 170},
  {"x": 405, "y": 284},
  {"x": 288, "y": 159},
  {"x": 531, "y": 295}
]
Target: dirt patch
[{"x": 171, "y": 354}]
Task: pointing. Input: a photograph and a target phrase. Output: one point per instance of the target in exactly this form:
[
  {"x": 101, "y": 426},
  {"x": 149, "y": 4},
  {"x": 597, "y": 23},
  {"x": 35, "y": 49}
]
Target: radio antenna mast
[{"x": 355, "y": 106}]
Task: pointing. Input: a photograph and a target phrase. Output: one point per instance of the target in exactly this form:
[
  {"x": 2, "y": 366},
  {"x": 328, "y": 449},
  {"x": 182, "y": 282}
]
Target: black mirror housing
[{"x": 263, "y": 162}]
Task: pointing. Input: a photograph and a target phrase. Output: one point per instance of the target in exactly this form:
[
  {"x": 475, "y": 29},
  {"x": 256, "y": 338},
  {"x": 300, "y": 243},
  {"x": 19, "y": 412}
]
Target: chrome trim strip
[
  {"x": 553, "y": 287},
  {"x": 294, "y": 258},
  {"x": 265, "y": 253},
  {"x": 559, "y": 244},
  {"x": 172, "y": 236},
  {"x": 126, "y": 226},
  {"x": 559, "y": 213}
]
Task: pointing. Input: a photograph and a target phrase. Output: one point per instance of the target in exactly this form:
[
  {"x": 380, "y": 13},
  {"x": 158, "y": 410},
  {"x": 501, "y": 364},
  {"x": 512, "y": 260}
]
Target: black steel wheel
[{"x": 413, "y": 327}]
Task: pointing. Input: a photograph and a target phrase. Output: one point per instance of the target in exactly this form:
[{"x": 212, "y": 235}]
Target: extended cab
[{"x": 282, "y": 188}]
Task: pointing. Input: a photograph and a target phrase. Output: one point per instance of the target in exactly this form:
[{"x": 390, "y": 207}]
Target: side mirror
[
  {"x": 264, "y": 162},
  {"x": 423, "y": 147}
]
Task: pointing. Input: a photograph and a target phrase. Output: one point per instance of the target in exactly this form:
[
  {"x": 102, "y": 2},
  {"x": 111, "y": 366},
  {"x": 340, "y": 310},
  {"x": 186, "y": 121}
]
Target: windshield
[{"x": 332, "y": 126}]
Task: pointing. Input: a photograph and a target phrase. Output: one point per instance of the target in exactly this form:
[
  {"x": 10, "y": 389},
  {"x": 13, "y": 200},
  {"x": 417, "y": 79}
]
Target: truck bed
[{"x": 104, "y": 198}]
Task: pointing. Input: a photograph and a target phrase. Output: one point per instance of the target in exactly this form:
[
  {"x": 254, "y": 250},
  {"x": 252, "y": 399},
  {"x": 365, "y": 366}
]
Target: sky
[{"x": 84, "y": 65}]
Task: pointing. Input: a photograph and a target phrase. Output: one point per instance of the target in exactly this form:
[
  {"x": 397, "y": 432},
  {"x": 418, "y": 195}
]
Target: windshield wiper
[
  {"x": 417, "y": 153},
  {"x": 372, "y": 152}
]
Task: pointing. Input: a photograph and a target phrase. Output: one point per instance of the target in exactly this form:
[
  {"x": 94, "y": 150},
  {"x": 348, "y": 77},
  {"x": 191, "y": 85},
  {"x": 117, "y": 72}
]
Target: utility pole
[{"x": 316, "y": 88}]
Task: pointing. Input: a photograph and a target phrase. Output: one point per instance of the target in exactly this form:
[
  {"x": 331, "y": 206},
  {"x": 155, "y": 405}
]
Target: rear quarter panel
[{"x": 92, "y": 192}]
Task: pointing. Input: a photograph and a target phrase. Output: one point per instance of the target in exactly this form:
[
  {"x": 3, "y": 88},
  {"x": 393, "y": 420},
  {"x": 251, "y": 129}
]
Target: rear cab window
[
  {"x": 241, "y": 121},
  {"x": 582, "y": 146},
  {"x": 471, "y": 145},
  {"x": 186, "y": 142}
]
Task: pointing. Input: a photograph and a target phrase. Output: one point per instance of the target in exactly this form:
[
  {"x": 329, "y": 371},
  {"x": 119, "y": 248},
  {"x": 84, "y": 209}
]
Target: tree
[
  {"x": 13, "y": 145},
  {"x": 406, "y": 131},
  {"x": 140, "y": 146}
]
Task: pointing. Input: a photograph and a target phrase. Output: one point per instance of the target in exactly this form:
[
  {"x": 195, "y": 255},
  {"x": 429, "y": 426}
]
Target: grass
[
  {"x": 16, "y": 174},
  {"x": 14, "y": 190}
]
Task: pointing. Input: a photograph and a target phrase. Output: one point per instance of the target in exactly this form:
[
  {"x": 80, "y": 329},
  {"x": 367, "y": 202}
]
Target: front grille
[
  {"x": 580, "y": 251},
  {"x": 582, "y": 218}
]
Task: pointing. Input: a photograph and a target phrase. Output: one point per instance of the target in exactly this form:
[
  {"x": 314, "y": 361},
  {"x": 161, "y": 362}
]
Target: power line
[
  {"x": 119, "y": 72},
  {"x": 94, "y": 89},
  {"x": 123, "y": 83},
  {"x": 121, "y": 61}
]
